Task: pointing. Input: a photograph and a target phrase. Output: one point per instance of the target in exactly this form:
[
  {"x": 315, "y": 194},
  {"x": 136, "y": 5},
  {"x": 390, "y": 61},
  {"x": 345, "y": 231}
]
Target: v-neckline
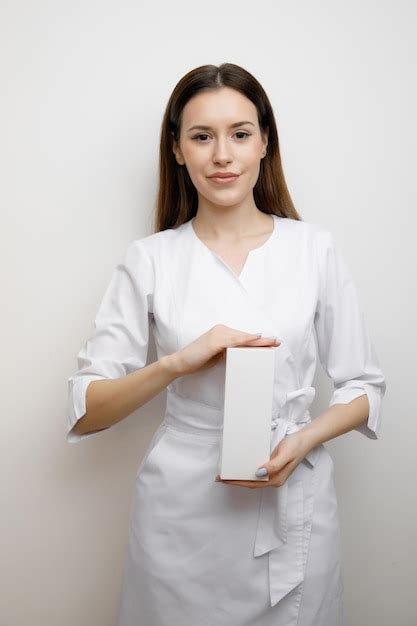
[{"x": 249, "y": 255}]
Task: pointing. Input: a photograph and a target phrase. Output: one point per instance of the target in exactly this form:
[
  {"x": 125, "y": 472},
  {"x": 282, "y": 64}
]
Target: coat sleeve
[
  {"x": 119, "y": 343},
  {"x": 344, "y": 345}
]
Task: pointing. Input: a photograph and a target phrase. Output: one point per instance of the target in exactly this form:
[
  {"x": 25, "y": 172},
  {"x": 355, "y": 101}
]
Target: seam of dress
[
  {"x": 310, "y": 329},
  {"x": 174, "y": 302}
]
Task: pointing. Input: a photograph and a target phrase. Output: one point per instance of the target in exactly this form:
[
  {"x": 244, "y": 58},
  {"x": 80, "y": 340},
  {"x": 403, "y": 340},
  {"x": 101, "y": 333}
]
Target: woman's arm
[
  {"x": 345, "y": 350},
  {"x": 111, "y": 400},
  {"x": 334, "y": 421}
]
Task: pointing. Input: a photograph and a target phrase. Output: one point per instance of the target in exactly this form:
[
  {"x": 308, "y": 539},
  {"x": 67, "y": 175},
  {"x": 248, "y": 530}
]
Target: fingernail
[
  {"x": 217, "y": 478},
  {"x": 262, "y": 471}
]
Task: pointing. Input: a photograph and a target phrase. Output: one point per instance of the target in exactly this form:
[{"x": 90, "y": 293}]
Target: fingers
[
  {"x": 251, "y": 338},
  {"x": 254, "y": 484},
  {"x": 250, "y": 484},
  {"x": 265, "y": 340},
  {"x": 259, "y": 337},
  {"x": 277, "y": 477},
  {"x": 225, "y": 336}
]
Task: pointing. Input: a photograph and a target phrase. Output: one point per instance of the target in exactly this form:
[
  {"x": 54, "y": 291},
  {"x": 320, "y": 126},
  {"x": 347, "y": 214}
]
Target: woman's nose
[{"x": 221, "y": 152}]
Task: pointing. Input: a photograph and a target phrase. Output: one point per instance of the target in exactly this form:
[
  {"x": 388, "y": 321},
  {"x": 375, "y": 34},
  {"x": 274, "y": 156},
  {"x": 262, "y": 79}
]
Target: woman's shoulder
[
  {"x": 158, "y": 242},
  {"x": 303, "y": 226},
  {"x": 307, "y": 231}
]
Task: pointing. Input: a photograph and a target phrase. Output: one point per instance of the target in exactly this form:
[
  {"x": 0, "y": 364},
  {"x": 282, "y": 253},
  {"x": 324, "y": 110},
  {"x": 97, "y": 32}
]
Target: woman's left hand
[{"x": 285, "y": 457}]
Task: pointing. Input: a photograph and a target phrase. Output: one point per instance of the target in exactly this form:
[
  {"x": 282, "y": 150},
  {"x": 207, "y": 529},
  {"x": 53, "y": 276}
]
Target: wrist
[
  {"x": 171, "y": 364},
  {"x": 307, "y": 438}
]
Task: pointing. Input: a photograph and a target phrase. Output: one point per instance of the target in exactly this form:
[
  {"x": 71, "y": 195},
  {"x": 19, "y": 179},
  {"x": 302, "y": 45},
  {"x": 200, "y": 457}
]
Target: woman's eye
[
  {"x": 198, "y": 136},
  {"x": 240, "y": 132}
]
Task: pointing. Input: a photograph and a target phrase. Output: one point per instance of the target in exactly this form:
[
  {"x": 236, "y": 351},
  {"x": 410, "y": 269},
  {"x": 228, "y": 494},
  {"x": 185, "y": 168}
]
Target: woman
[{"x": 230, "y": 263}]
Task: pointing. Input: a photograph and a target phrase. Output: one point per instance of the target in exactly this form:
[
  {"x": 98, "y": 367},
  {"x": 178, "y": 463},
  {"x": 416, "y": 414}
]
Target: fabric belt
[
  {"x": 286, "y": 568},
  {"x": 272, "y": 523}
]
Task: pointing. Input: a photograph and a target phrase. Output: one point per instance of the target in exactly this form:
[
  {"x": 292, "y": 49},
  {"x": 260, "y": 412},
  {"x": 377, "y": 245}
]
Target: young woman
[{"x": 230, "y": 263}]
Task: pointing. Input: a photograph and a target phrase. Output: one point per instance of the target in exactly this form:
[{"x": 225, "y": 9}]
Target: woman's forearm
[
  {"x": 336, "y": 420},
  {"x": 108, "y": 401}
]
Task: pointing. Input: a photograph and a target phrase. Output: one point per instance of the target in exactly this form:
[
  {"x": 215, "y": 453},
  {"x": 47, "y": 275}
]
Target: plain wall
[{"x": 83, "y": 91}]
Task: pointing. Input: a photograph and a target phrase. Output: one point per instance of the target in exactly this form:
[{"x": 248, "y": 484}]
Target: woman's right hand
[{"x": 210, "y": 348}]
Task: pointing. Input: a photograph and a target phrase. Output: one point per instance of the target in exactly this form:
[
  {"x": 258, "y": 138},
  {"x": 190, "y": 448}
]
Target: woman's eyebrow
[{"x": 235, "y": 125}]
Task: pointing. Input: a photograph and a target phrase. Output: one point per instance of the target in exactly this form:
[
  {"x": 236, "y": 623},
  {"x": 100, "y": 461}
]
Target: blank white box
[{"x": 246, "y": 441}]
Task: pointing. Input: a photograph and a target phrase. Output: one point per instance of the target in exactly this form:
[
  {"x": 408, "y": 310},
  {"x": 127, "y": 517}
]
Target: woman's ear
[
  {"x": 177, "y": 152},
  {"x": 265, "y": 135}
]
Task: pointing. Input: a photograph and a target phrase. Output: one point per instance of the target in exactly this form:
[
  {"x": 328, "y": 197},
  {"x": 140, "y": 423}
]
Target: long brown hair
[{"x": 177, "y": 199}]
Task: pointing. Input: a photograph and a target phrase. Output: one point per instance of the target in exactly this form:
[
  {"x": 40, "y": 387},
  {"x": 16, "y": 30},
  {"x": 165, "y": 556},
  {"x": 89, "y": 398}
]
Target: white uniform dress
[{"x": 205, "y": 553}]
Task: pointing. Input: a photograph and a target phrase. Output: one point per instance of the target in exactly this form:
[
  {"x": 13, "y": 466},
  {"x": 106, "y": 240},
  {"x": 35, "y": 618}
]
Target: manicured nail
[{"x": 262, "y": 471}]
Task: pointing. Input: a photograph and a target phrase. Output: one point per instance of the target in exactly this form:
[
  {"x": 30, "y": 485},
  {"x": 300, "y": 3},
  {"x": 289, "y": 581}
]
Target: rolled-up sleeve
[
  {"x": 344, "y": 345},
  {"x": 119, "y": 343}
]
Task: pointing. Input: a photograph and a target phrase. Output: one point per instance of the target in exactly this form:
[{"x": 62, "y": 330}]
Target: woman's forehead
[{"x": 222, "y": 107}]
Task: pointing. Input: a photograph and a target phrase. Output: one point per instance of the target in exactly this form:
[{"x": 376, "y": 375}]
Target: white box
[{"x": 246, "y": 441}]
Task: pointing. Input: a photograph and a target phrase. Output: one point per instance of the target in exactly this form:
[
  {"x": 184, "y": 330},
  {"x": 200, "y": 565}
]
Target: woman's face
[{"x": 220, "y": 133}]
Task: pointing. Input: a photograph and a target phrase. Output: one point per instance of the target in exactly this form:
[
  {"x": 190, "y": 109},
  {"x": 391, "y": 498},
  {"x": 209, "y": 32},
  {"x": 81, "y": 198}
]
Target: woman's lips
[{"x": 224, "y": 180}]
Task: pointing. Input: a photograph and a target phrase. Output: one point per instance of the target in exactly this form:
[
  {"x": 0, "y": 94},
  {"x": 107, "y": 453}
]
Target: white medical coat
[{"x": 206, "y": 553}]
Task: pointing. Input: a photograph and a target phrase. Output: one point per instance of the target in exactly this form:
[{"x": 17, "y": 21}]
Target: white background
[{"x": 83, "y": 87}]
